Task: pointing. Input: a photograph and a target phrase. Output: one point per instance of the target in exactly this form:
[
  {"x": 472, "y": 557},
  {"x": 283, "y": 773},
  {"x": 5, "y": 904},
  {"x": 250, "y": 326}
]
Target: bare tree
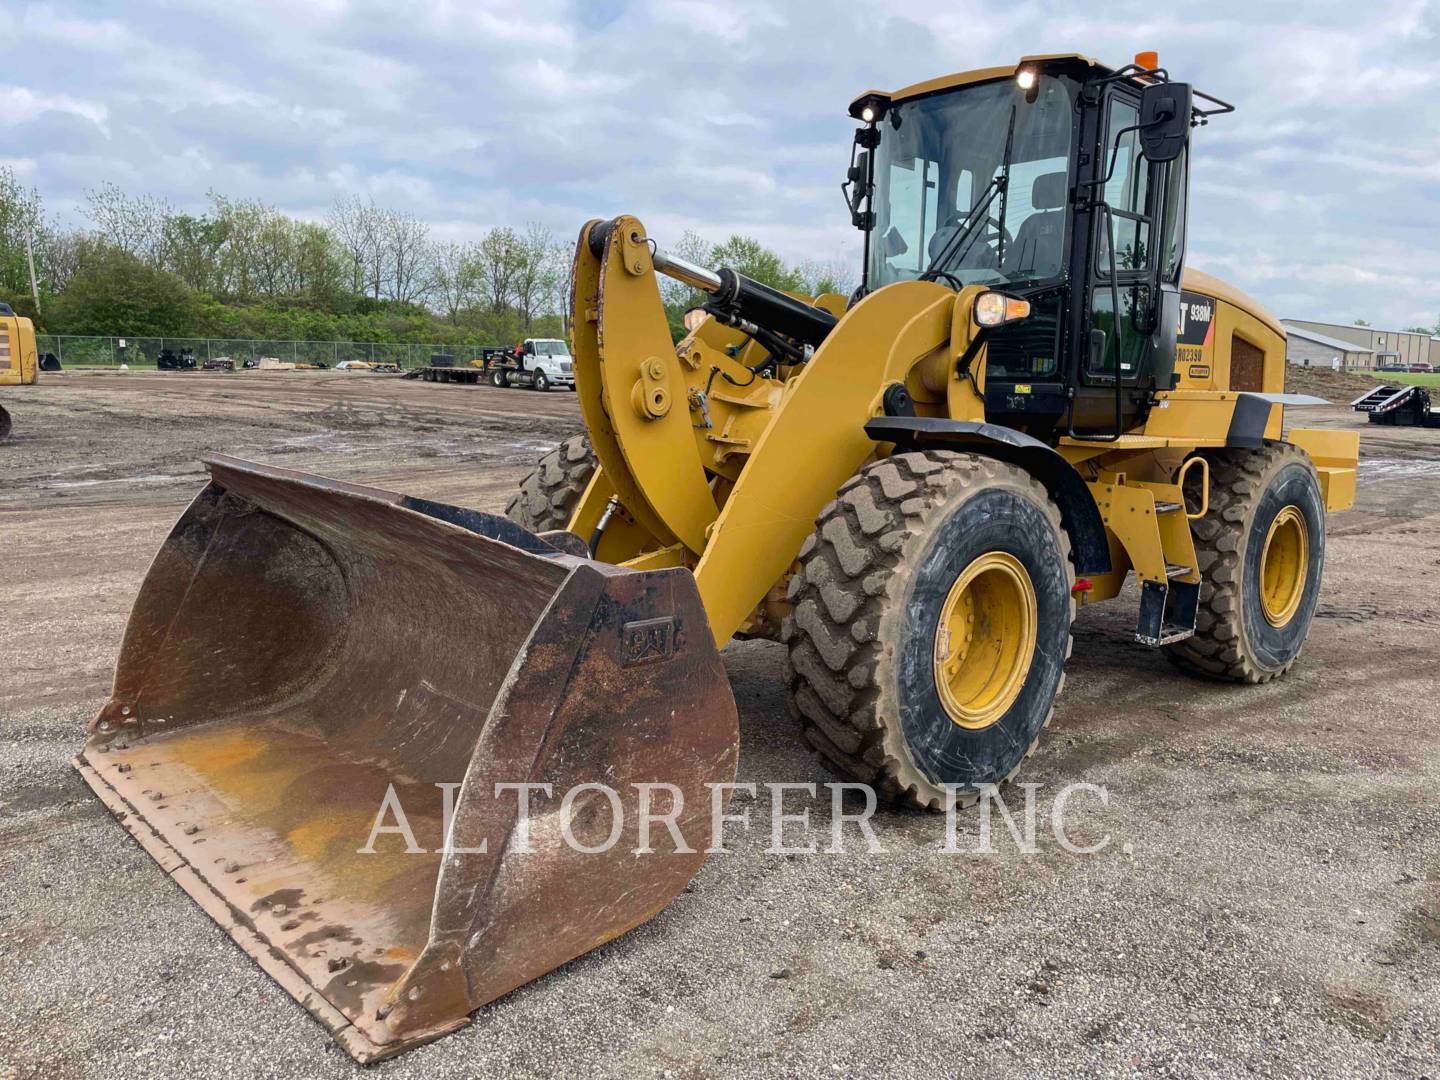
[
  {"x": 455, "y": 277},
  {"x": 408, "y": 256},
  {"x": 827, "y": 276},
  {"x": 692, "y": 248},
  {"x": 498, "y": 254},
  {"x": 538, "y": 270},
  {"x": 61, "y": 256},
  {"x": 357, "y": 229},
  {"x": 133, "y": 223}
]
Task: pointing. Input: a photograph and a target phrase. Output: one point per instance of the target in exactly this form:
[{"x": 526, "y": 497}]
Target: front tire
[
  {"x": 549, "y": 494},
  {"x": 541, "y": 383},
  {"x": 931, "y": 624},
  {"x": 1261, "y": 547}
]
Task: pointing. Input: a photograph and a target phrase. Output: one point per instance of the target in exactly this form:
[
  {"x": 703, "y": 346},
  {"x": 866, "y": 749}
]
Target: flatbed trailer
[
  {"x": 519, "y": 367},
  {"x": 1406, "y": 406},
  {"x": 443, "y": 368}
]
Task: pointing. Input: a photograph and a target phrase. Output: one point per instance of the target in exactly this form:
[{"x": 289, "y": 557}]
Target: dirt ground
[{"x": 1268, "y": 901}]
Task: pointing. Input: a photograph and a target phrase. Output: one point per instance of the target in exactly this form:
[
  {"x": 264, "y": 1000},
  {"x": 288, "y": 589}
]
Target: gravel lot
[{"x": 1268, "y": 901}]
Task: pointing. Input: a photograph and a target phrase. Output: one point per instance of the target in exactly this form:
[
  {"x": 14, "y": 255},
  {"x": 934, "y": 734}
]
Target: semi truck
[{"x": 538, "y": 363}]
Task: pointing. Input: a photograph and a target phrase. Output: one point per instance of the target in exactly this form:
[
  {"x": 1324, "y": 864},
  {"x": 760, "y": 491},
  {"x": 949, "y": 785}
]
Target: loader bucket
[{"x": 308, "y": 659}]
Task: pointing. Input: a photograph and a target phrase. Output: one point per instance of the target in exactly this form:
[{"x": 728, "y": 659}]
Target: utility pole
[{"x": 30, "y": 258}]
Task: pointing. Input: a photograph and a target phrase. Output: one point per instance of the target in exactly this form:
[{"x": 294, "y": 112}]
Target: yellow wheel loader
[
  {"x": 19, "y": 365},
  {"x": 1028, "y": 402}
]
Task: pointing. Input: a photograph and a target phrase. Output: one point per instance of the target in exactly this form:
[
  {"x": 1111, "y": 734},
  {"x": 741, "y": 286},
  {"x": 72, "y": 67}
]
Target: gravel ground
[{"x": 1268, "y": 900}]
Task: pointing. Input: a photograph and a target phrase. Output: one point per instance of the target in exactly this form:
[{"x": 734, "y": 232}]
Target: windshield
[
  {"x": 938, "y": 160},
  {"x": 548, "y": 347}
]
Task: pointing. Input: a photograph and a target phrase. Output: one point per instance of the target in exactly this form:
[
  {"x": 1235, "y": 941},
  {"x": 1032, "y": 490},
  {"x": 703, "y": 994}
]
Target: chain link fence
[{"x": 144, "y": 352}]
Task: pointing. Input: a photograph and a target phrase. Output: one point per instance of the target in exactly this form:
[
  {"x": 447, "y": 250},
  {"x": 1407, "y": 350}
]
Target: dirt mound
[{"x": 1338, "y": 386}]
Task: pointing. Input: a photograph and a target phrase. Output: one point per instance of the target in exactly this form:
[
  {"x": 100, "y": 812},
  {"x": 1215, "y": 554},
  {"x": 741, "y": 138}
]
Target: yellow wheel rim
[
  {"x": 985, "y": 640},
  {"x": 1284, "y": 564}
]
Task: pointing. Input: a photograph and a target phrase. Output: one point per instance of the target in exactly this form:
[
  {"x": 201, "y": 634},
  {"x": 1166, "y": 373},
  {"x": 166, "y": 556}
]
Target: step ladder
[{"x": 1168, "y": 610}]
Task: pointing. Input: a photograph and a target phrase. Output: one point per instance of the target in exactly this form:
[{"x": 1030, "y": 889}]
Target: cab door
[{"x": 1133, "y": 277}]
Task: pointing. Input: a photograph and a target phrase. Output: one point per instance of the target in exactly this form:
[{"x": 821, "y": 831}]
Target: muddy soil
[{"x": 1267, "y": 900}]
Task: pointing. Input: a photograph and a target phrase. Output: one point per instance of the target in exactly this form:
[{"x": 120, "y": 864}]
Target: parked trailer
[
  {"x": 1407, "y": 406},
  {"x": 539, "y": 363},
  {"x": 443, "y": 368}
]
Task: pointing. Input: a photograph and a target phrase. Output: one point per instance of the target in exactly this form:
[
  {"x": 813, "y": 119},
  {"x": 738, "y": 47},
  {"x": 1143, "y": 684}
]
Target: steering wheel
[{"x": 992, "y": 230}]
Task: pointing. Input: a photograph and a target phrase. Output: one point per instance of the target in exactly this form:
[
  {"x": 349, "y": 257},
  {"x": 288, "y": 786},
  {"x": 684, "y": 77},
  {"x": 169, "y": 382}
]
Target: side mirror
[{"x": 1164, "y": 120}]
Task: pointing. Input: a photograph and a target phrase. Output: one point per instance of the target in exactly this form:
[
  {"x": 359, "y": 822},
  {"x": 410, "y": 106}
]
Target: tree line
[{"x": 242, "y": 268}]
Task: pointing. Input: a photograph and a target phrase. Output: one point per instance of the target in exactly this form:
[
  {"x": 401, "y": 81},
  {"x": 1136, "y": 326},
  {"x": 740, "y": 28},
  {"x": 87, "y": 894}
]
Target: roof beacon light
[{"x": 1148, "y": 60}]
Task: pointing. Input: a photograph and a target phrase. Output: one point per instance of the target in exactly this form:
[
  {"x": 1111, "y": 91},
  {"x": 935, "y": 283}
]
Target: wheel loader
[
  {"x": 19, "y": 365},
  {"x": 1029, "y": 405}
]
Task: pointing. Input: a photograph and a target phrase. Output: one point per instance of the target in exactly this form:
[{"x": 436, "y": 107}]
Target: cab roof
[{"x": 965, "y": 78}]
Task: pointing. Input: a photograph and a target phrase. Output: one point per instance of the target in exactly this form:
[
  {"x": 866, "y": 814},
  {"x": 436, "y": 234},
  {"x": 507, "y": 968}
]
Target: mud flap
[{"x": 309, "y": 658}]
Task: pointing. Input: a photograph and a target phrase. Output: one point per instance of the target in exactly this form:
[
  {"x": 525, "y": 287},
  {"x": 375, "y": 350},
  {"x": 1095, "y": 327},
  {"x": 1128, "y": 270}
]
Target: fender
[{"x": 1066, "y": 486}]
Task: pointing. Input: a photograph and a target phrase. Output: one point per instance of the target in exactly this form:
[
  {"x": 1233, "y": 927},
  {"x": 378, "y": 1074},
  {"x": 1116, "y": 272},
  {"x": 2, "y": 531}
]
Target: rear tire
[
  {"x": 549, "y": 495},
  {"x": 498, "y": 379},
  {"x": 869, "y": 674},
  {"x": 1266, "y": 514}
]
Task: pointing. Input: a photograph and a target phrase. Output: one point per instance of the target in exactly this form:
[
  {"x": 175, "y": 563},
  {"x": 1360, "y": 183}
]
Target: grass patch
[{"x": 1413, "y": 378}]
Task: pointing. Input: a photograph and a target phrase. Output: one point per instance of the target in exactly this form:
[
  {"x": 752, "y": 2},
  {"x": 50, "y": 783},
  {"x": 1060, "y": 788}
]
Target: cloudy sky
[{"x": 1321, "y": 195}]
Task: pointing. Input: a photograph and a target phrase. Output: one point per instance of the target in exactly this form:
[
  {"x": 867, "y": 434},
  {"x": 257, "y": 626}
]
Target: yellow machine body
[
  {"x": 19, "y": 363},
  {"x": 728, "y": 479}
]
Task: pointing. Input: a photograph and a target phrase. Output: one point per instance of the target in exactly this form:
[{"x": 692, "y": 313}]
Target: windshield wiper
[{"x": 967, "y": 233}]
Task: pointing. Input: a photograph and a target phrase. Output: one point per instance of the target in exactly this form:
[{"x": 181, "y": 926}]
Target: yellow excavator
[
  {"x": 19, "y": 364},
  {"x": 1028, "y": 403}
]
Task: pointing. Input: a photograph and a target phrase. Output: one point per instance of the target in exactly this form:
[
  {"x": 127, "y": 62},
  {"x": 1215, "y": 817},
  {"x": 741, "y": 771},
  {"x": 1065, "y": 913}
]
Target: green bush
[{"x": 116, "y": 293}]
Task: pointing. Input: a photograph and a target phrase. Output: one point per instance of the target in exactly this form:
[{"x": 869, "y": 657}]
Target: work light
[{"x": 995, "y": 308}]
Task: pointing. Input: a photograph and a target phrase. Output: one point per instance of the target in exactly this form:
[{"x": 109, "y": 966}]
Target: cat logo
[{"x": 646, "y": 641}]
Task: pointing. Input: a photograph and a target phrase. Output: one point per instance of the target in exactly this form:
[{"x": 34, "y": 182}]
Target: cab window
[
  {"x": 1127, "y": 193},
  {"x": 1172, "y": 228}
]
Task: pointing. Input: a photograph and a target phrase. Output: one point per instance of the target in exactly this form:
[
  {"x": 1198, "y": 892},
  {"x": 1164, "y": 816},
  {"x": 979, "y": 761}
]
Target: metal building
[
  {"x": 1310, "y": 349},
  {"x": 1385, "y": 346}
]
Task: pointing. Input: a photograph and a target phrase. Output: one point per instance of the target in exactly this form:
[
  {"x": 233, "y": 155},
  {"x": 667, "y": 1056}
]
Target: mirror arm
[{"x": 1114, "y": 156}]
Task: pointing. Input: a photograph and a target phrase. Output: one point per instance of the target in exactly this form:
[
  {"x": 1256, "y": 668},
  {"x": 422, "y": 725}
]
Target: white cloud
[
  {"x": 44, "y": 22},
  {"x": 1319, "y": 193},
  {"x": 19, "y": 105}
]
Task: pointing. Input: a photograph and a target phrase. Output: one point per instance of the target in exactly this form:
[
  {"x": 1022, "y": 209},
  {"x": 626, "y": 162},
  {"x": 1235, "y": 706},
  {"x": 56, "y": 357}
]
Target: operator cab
[{"x": 1059, "y": 182}]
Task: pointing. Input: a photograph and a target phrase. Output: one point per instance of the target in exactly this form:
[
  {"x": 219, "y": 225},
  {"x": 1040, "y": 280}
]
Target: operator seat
[{"x": 1039, "y": 244}]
